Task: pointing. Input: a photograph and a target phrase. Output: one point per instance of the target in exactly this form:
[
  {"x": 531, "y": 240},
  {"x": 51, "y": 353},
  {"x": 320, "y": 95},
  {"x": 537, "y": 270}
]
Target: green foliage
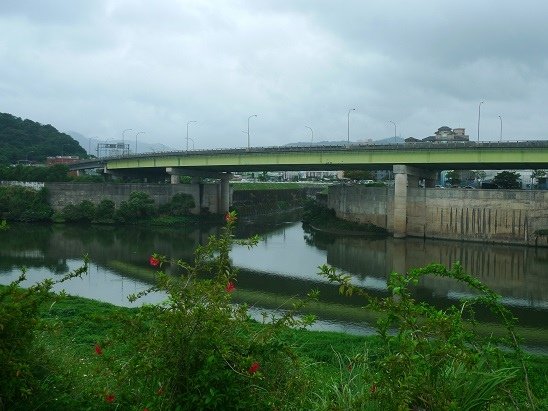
[
  {"x": 538, "y": 174},
  {"x": 80, "y": 213},
  {"x": 139, "y": 205},
  {"x": 30, "y": 141},
  {"x": 358, "y": 174},
  {"x": 88, "y": 179},
  {"x": 435, "y": 359},
  {"x": 180, "y": 205},
  {"x": 24, "y": 204},
  {"x": 453, "y": 177},
  {"x": 19, "y": 313},
  {"x": 105, "y": 211},
  {"x": 57, "y": 172},
  {"x": 508, "y": 180},
  {"x": 202, "y": 351}
]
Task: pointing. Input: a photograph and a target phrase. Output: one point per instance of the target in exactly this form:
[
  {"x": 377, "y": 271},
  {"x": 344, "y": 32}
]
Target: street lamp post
[
  {"x": 124, "y": 139},
  {"x": 348, "y": 128},
  {"x": 479, "y": 117},
  {"x": 500, "y": 118},
  {"x": 395, "y": 130},
  {"x": 187, "y": 123},
  {"x": 312, "y": 131},
  {"x": 248, "y": 143},
  {"x": 192, "y": 141},
  {"x": 140, "y": 132}
]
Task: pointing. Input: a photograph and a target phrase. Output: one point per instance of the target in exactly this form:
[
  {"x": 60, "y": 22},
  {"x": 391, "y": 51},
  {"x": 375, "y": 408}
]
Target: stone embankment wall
[
  {"x": 248, "y": 202},
  {"x": 505, "y": 216},
  {"x": 62, "y": 194}
]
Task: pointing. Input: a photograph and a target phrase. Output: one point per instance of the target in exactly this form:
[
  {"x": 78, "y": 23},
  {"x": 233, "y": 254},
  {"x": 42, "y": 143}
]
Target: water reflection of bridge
[{"x": 512, "y": 271}]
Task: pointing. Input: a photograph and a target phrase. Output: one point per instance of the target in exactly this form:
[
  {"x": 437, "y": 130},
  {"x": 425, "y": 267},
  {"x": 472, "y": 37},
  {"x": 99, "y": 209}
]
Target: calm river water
[{"x": 283, "y": 265}]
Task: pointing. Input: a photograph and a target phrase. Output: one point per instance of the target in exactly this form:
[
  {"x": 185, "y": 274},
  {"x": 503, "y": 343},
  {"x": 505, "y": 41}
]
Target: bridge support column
[
  {"x": 406, "y": 176},
  {"x": 224, "y": 198}
]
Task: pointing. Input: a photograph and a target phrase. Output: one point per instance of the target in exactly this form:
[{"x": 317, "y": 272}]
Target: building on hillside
[{"x": 444, "y": 134}]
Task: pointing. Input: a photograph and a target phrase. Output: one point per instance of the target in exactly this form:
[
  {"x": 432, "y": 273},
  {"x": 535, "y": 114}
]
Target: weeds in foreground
[
  {"x": 435, "y": 359},
  {"x": 19, "y": 317}
]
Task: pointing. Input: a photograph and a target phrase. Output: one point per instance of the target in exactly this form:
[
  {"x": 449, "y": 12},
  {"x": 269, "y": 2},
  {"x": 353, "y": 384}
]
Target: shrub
[
  {"x": 430, "y": 358},
  {"x": 24, "y": 204},
  {"x": 105, "y": 211},
  {"x": 139, "y": 205},
  {"x": 203, "y": 352},
  {"x": 19, "y": 309},
  {"x": 180, "y": 205}
]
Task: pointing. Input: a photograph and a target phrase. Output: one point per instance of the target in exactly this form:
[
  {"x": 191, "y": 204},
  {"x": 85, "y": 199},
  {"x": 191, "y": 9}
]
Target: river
[{"x": 282, "y": 266}]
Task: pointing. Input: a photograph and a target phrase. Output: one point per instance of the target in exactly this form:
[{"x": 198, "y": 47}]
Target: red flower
[
  {"x": 98, "y": 349},
  {"x": 230, "y": 217},
  {"x": 373, "y": 389},
  {"x": 254, "y": 367},
  {"x": 109, "y": 398},
  {"x": 155, "y": 262},
  {"x": 230, "y": 287}
]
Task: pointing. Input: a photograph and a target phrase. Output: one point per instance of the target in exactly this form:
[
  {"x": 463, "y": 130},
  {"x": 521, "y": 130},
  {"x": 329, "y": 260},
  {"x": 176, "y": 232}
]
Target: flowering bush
[{"x": 203, "y": 350}]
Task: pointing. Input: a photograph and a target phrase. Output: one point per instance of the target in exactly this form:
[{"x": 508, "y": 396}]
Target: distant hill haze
[
  {"x": 90, "y": 143},
  {"x": 23, "y": 140}
]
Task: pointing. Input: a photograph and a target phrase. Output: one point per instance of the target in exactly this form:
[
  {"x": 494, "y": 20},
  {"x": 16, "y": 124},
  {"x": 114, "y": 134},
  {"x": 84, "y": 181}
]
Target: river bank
[{"x": 73, "y": 374}]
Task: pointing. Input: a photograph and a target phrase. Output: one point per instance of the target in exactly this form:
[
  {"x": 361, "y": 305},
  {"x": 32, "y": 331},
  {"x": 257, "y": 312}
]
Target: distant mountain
[
  {"x": 26, "y": 140},
  {"x": 90, "y": 144},
  {"x": 384, "y": 141}
]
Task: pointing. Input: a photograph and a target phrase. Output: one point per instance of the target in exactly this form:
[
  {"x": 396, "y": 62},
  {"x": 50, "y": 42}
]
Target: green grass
[{"x": 74, "y": 377}]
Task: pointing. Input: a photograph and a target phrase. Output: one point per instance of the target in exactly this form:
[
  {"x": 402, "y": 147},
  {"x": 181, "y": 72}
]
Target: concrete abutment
[{"x": 498, "y": 216}]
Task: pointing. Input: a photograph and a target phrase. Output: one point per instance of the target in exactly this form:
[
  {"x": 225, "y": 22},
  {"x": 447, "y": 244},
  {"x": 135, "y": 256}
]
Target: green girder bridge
[{"x": 409, "y": 162}]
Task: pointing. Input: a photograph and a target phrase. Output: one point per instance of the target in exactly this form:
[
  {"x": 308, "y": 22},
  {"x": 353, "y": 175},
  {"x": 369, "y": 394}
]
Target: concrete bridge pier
[
  {"x": 222, "y": 194},
  {"x": 407, "y": 176},
  {"x": 224, "y": 197}
]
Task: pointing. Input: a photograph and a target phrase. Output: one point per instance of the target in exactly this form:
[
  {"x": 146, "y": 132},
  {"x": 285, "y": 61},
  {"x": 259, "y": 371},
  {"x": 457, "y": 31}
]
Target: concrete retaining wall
[
  {"x": 363, "y": 204},
  {"x": 503, "y": 216},
  {"x": 62, "y": 194}
]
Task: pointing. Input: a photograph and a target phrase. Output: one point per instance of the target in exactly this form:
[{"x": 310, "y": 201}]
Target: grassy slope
[{"x": 74, "y": 377}]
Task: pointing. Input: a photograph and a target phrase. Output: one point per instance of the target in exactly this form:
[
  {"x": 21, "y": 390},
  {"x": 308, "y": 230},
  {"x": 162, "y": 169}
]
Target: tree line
[
  {"x": 28, "y": 205},
  {"x": 29, "y": 141}
]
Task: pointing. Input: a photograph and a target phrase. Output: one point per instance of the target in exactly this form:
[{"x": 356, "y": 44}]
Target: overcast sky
[{"x": 99, "y": 67}]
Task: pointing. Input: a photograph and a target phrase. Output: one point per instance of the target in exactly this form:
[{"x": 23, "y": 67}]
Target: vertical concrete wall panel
[{"x": 506, "y": 216}]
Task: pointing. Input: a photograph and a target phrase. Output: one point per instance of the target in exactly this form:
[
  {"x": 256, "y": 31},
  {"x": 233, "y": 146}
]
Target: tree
[
  {"x": 28, "y": 140},
  {"x": 538, "y": 175},
  {"x": 105, "y": 211},
  {"x": 508, "y": 180},
  {"x": 453, "y": 177},
  {"x": 180, "y": 204},
  {"x": 358, "y": 174},
  {"x": 139, "y": 205}
]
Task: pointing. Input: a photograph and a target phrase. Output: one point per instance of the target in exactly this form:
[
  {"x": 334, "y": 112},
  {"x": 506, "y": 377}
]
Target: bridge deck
[{"x": 435, "y": 156}]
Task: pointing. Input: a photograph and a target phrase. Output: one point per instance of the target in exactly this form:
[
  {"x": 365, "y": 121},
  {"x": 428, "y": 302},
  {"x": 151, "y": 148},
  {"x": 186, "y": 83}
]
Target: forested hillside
[{"x": 28, "y": 140}]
